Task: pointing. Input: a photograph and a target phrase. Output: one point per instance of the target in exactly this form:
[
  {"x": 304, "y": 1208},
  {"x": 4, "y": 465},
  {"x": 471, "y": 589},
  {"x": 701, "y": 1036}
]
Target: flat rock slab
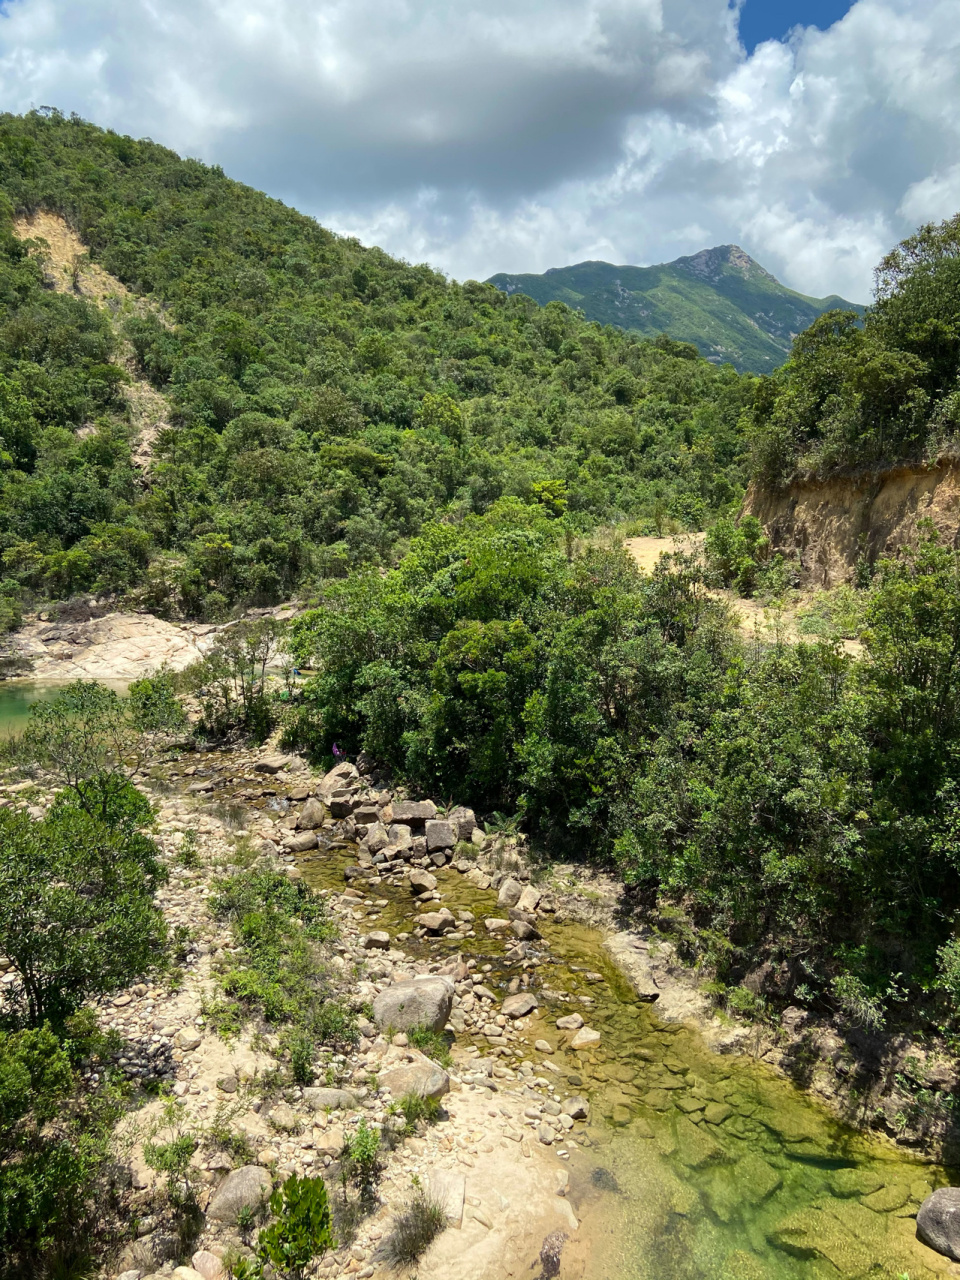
[{"x": 447, "y": 1189}]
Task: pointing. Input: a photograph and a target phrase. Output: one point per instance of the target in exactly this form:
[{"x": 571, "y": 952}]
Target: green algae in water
[{"x": 700, "y": 1166}]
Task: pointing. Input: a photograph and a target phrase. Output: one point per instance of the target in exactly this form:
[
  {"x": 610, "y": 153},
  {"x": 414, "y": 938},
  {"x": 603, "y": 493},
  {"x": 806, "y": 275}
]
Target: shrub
[
  {"x": 302, "y": 1232},
  {"x": 433, "y": 1043},
  {"x": 414, "y": 1229}
]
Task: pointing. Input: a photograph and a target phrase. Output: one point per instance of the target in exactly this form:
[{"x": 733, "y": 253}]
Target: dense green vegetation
[
  {"x": 723, "y": 302},
  {"x": 799, "y": 806},
  {"x": 875, "y": 394},
  {"x": 326, "y": 399}
]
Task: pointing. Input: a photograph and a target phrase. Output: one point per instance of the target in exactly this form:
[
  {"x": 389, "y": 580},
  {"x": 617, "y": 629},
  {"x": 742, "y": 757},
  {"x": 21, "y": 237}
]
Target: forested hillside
[
  {"x": 325, "y": 400},
  {"x": 720, "y": 300},
  {"x": 866, "y": 396}
]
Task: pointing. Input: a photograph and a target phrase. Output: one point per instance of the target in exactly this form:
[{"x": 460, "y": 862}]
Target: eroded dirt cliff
[{"x": 830, "y": 524}]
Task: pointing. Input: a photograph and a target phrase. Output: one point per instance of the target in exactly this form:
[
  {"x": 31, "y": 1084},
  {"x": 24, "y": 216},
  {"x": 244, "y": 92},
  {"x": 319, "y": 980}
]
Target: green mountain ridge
[{"x": 720, "y": 300}]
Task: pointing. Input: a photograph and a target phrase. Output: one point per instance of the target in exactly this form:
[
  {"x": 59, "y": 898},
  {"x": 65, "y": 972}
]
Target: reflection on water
[
  {"x": 18, "y": 696},
  {"x": 697, "y": 1166}
]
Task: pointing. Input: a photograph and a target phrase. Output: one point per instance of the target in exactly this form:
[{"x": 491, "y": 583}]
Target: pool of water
[
  {"x": 696, "y": 1166},
  {"x": 18, "y": 696}
]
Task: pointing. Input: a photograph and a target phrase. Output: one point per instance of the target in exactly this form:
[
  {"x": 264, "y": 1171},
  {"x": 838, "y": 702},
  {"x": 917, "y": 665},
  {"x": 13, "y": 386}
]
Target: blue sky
[
  {"x": 517, "y": 135},
  {"x": 772, "y": 19}
]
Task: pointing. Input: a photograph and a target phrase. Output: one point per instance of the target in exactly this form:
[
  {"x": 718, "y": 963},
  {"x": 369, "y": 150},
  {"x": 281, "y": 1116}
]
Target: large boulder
[
  {"x": 301, "y": 842},
  {"x": 519, "y": 1006},
  {"x": 416, "y": 1002},
  {"x": 319, "y": 1099},
  {"x": 272, "y": 764},
  {"x": 245, "y": 1188},
  {"x": 342, "y": 777},
  {"x": 376, "y": 838},
  {"x": 408, "y": 1071},
  {"x": 440, "y": 835},
  {"x": 509, "y": 894},
  {"x": 413, "y": 813},
  {"x": 463, "y": 821},
  {"x": 311, "y": 815},
  {"x": 422, "y": 882},
  {"x": 938, "y": 1222}
]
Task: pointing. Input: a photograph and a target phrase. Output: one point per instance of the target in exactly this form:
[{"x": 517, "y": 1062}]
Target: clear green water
[
  {"x": 18, "y": 696},
  {"x": 697, "y": 1166}
]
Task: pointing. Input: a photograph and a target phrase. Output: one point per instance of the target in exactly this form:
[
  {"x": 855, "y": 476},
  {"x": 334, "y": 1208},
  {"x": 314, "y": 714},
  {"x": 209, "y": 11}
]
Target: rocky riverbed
[{"x": 560, "y": 1073}]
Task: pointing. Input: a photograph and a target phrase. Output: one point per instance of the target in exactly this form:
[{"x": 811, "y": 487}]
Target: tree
[
  {"x": 77, "y": 916},
  {"x": 90, "y": 739}
]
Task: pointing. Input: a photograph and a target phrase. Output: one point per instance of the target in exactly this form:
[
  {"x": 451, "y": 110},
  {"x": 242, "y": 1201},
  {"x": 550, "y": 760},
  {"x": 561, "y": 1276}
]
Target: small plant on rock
[
  {"x": 432, "y": 1043},
  {"x": 414, "y": 1108}
]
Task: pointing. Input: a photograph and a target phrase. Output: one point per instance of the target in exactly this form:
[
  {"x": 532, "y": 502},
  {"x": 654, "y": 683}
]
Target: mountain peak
[{"x": 708, "y": 264}]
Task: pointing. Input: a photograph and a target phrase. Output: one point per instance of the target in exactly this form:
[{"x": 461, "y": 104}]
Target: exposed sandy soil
[
  {"x": 68, "y": 269},
  {"x": 755, "y": 619},
  {"x": 829, "y": 524}
]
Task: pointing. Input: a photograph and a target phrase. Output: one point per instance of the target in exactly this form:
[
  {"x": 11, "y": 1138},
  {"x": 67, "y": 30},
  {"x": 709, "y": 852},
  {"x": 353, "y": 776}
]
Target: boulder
[
  {"x": 283, "y": 1117},
  {"x": 577, "y": 1108},
  {"x": 186, "y": 1273},
  {"x": 302, "y": 842},
  {"x": 440, "y": 835},
  {"x": 318, "y": 1099},
  {"x": 272, "y": 764},
  {"x": 342, "y": 777},
  {"x": 407, "y": 1071},
  {"x": 401, "y": 837},
  {"x": 377, "y": 940},
  {"x": 414, "y": 813},
  {"x": 366, "y": 813},
  {"x": 311, "y": 815},
  {"x": 523, "y": 930},
  {"x": 519, "y": 1006},
  {"x": 425, "y": 1001},
  {"x": 509, "y": 894},
  {"x": 187, "y": 1038},
  {"x": 463, "y": 821},
  {"x": 938, "y": 1222},
  {"x": 585, "y": 1038},
  {"x": 245, "y": 1188},
  {"x": 571, "y": 1022},
  {"x": 494, "y": 925},
  {"x": 208, "y": 1265},
  {"x": 438, "y": 921},
  {"x": 377, "y": 838},
  {"x": 529, "y": 899},
  {"x": 340, "y": 803},
  {"x": 149, "y": 1252},
  {"x": 422, "y": 881}
]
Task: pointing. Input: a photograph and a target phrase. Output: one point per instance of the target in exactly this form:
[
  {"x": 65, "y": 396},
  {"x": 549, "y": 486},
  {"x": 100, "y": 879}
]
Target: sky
[{"x": 517, "y": 135}]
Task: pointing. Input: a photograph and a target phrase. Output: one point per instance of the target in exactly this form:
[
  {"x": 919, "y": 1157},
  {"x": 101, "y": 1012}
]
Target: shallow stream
[{"x": 697, "y": 1166}]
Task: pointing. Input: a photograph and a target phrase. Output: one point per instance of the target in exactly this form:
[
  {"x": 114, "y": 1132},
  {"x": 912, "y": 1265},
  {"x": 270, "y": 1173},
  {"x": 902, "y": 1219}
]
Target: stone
[
  {"x": 425, "y": 1001},
  {"x": 494, "y": 925},
  {"x": 414, "y": 813},
  {"x": 938, "y": 1222},
  {"x": 439, "y": 835},
  {"x": 377, "y": 838},
  {"x": 437, "y": 921},
  {"x": 447, "y": 1189},
  {"x": 509, "y": 894},
  {"x": 245, "y": 1188},
  {"x": 302, "y": 842},
  {"x": 186, "y": 1273},
  {"x": 228, "y": 1084},
  {"x": 311, "y": 815},
  {"x": 149, "y": 1252},
  {"x": 271, "y": 764},
  {"x": 717, "y": 1112},
  {"x": 585, "y": 1038},
  {"x": 208, "y": 1265},
  {"x": 529, "y": 900},
  {"x": 577, "y": 1108},
  {"x": 478, "y": 838},
  {"x": 523, "y": 930},
  {"x": 378, "y": 940},
  {"x": 696, "y": 1147},
  {"x": 187, "y": 1038},
  {"x": 340, "y": 803},
  {"x": 283, "y": 1117},
  {"x": 520, "y": 1005},
  {"x": 571, "y": 1022},
  {"x": 317, "y": 1098},
  {"x": 422, "y": 881},
  {"x": 330, "y": 1141},
  {"x": 463, "y": 821},
  {"x": 342, "y": 777},
  {"x": 408, "y": 1071},
  {"x": 543, "y": 1046}
]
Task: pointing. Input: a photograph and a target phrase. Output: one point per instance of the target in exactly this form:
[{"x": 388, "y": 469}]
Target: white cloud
[{"x": 522, "y": 134}]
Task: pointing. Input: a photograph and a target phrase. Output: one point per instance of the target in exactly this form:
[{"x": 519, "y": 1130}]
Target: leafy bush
[{"x": 433, "y": 1043}]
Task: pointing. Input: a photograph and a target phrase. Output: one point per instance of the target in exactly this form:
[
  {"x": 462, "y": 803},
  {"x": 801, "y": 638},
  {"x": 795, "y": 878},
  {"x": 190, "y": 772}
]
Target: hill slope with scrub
[{"x": 323, "y": 400}]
